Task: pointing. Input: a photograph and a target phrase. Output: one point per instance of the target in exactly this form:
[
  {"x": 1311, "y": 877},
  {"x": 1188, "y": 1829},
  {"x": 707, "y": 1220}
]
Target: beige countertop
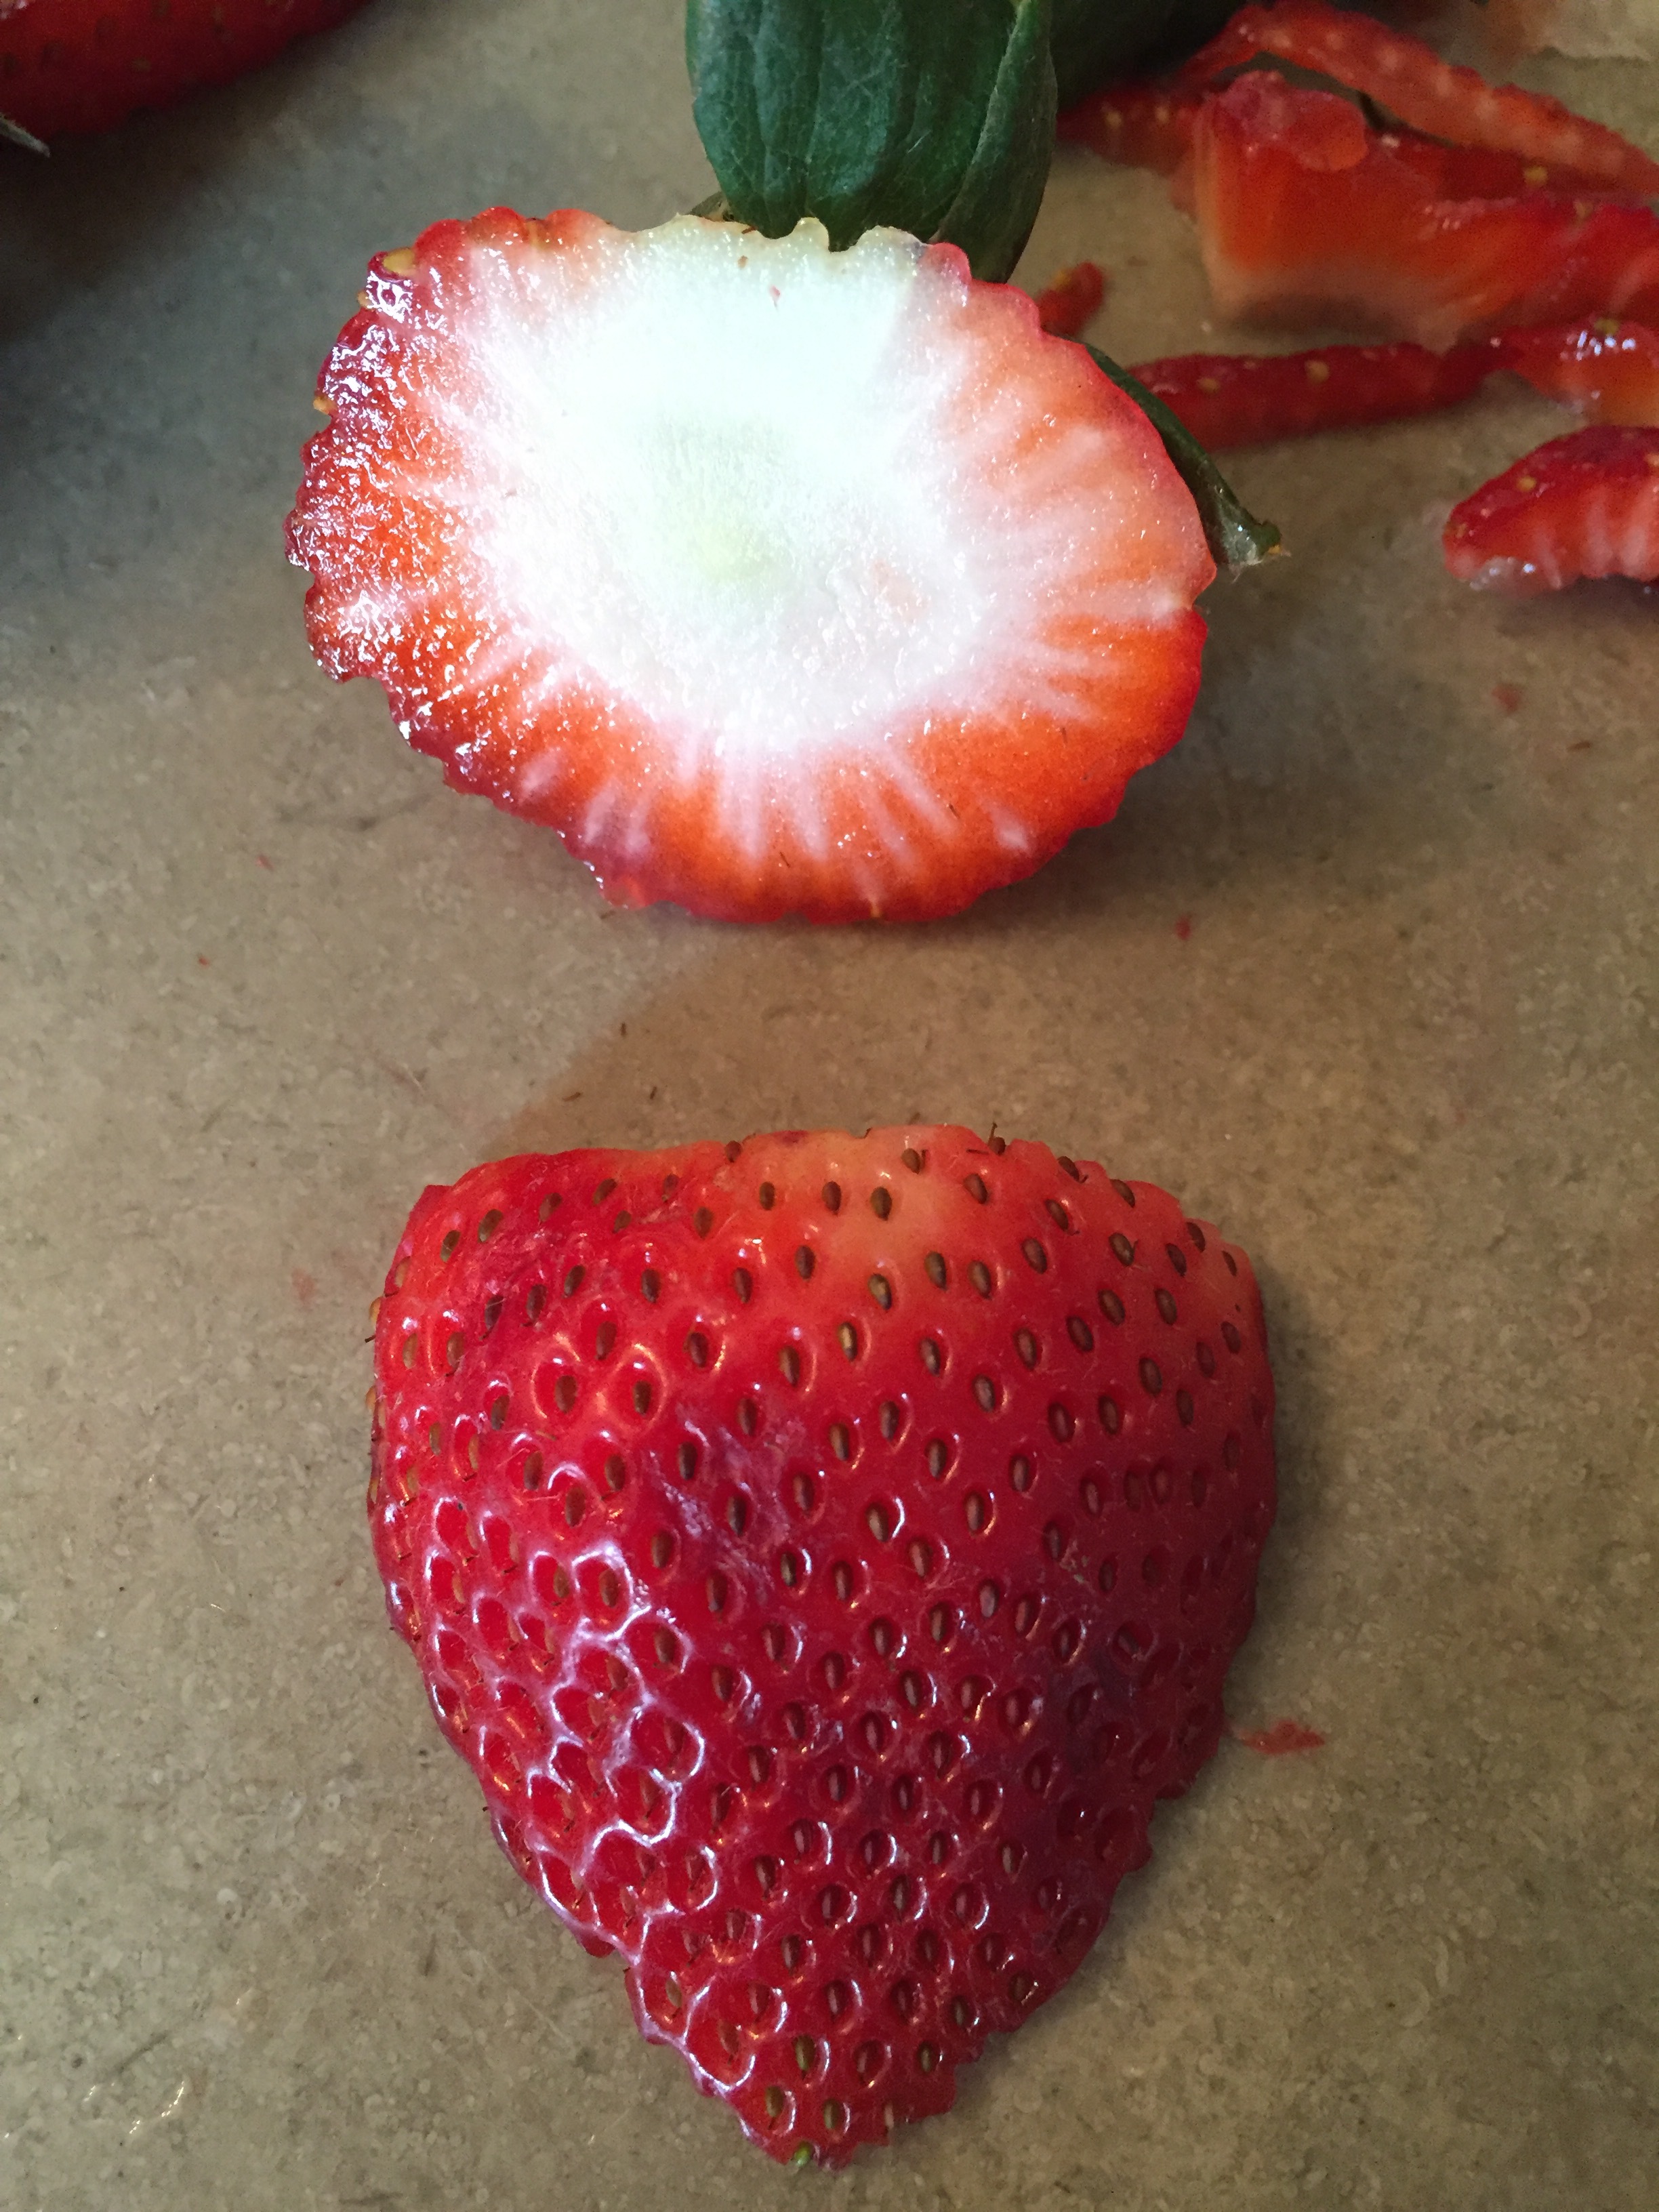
[{"x": 1365, "y": 970}]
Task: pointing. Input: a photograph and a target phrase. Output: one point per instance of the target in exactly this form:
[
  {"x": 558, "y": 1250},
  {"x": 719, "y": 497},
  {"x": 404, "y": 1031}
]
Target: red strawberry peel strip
[
  {"x": 1583, "y": 506},
  {"x": 825, "y": 1551},
  {"x": 1067, "y": 304},
  {"x": 1411, "y": 80},
  {"x": 1246, "y": 399},
  {"x": 1609, "y": 370},
  {"x": 1138, "y": 125}
]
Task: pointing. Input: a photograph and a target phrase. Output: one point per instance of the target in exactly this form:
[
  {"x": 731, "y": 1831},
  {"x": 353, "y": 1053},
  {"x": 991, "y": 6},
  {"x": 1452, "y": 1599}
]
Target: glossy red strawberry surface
[
  {"x": 69, "y": 66},
  {"x": 1071, "y": 299},
  {"x": 825, "y": 1550},
  {"x": 1141, "y": 124},
  {"x": 1411, "y": 80},
  {"x": 1245, "y": 400},
  {"x": 1585, "y": 505},
  {"x": 1609, "y": 370},
  {"x": 1305, "y": 215},
  {"x": 776, "y": 580}
]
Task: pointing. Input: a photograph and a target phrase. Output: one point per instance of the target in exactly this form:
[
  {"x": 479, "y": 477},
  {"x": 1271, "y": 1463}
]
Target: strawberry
[
  {"x": 1071, "y": 299},
  {"x": 1244, "y": 399},
  {"x": 1411, "y": 80},
  {"x": 824, "y": 1550},
  {"x": 68, "y": 66},
  {"x": 1607, "y": 369},
  {"x": 1139, "y": 124},
  {"x": 776, "y": 581},
  {"x": 1586, "y": 505},
  {"x": 1305, "y": 215}
]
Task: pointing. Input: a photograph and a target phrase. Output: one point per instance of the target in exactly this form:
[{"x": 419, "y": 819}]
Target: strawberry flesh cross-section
[{"x": 777, "y": 582}]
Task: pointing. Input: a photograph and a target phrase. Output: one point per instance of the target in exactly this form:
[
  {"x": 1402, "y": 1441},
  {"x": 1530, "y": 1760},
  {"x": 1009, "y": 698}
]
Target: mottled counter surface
[{"x": 1365, "y": 969}]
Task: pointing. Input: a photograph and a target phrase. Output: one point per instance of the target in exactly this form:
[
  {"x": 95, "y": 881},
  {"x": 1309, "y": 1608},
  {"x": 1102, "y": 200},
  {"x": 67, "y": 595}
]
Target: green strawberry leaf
[
  {"x": 1236, "y": 539},
  {"x": 932, "y": 118}
]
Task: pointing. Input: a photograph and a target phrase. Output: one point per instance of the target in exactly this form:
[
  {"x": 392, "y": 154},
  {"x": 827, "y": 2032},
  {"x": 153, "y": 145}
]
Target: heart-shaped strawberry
[{"x": 824, "y": 1550}]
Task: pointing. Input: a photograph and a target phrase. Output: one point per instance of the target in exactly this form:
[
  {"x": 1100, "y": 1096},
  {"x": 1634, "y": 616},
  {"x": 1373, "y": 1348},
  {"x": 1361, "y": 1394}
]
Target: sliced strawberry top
[
  {"x": 1306, "y": 215},
  {"x": 1607, "y": 369},
  {"x": 1412, "y": 82},
  {"x": 68, "y": 66},
  {"x": 777, "y": 582},
  {"x": 1587, "y": 505},
  {"x": 825, "y": 1550}
]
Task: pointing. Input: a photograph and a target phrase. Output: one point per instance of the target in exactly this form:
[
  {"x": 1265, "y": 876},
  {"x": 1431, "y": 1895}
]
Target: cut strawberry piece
[
  {"x": 1245, "y": 400},
  {"x": 1607, "y": 369},
  {"x": 1136, "y": 126},
  {"x": 1587, "y": 505},
  {"x": 777, "y": 582},
  {"x": 1477, "y": 172},
  {"x": 825, "y": 1551},
  {"x": 1067, "y": 305},
  {"x": 68, "y": 66},
  {"x": 1305, "y": 215},
  {"x": 1410, "y": 80}
]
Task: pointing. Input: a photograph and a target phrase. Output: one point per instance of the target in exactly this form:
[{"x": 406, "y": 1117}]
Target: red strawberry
[
  {"x": 75, "y": 65},
  {"x": 825, "y": 1551},
  {"x": 1070, "y": 301},
  {"x": 1305, "y": 215},
  {"x": 1244, "y": 399},
  {"x": 1137, "y": 125},
  {"x": 1587, "y": 505},
  {"x": 1607, "y": 369},
  {"x": 1410, "y": 80},
  {"x": 776, "y": 580}
]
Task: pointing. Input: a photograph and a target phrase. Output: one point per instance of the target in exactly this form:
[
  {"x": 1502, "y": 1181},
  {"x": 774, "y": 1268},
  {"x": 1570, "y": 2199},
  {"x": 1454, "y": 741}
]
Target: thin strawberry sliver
[
  {"x": 1587, "y": 505},
  {"x": 1412, "y": 82},
  {"x": 1247, "y": 399},
  {"x": 1066, "y": 307},
  {"x": 1137, "y": 125}
]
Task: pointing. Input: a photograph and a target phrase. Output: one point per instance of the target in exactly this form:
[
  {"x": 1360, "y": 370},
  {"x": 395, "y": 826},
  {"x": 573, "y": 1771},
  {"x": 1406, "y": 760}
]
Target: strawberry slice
[
  {"x": 1304, "y": 215},
  {"x": 69, "y": 66},
  {"x": 1246, "y": 399},
  {"x": 776, "y": 581},
  {"x": 825, "y": 1551},
  {"x": 1609, "y": 370},
  {"x": 1411, "y": 80},
  {"x": 1586, "y": 505},
  {"x": 1069, "y": 302},
  {"x": 1137, "y": 125}
]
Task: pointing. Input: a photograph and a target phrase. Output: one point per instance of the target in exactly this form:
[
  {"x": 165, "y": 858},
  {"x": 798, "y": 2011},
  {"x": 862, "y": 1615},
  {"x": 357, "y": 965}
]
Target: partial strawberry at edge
[
  {"x": 825, "y": 1551},
  {"x": 1409, "y": 80},
  {"x": 73, "y": 66},
  {"x": 1305, "y": 215},
  {"x": 1584, "y": 505}
]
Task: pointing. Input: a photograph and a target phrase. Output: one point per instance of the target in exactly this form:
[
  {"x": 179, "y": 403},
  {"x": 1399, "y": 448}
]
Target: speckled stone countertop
[{"x": 1365, "y": 970}]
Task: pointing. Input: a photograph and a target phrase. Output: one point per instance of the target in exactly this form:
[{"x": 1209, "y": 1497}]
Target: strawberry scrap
[
  {"x": 73, "y": 66},
  {"x": 776, "y": 581},
  {"x": 1071, "y": 300},
  {"x": 1246, "y": 399},
  {"x": 1609, "y": 370},
  {"x": 1305, "y": 215},
  {"x": 1585, "y": 505},
  {"x": 825, "y": 1551},
  {"x": 1137, "y": 125},
  {"x": 1281, "y": 1740},
  {"x": 1408, "y": 78}
]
